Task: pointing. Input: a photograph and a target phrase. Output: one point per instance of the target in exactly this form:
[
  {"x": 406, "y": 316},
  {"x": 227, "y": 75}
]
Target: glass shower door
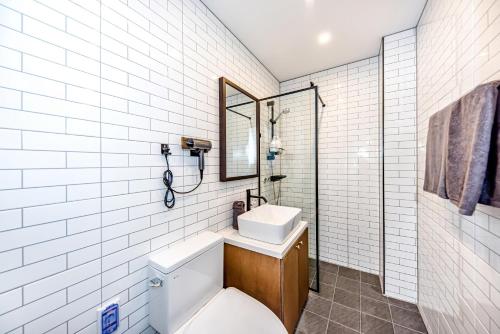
[{"x": 288, "y": 174}]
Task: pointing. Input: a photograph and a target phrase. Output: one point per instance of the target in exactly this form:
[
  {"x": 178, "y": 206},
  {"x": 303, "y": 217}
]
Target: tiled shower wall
[
  {"x": 400, "y": 168},
  {"x": 348, "y": 162},
  {"x": 458, "y": 47},
  {"x": 88, "y": 91}
]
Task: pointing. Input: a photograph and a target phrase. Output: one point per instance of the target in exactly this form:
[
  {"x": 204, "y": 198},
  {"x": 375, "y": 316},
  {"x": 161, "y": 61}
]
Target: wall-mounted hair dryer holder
[
  {"x": 165, "y": 149},
  {"x": 197, "y": 148}
]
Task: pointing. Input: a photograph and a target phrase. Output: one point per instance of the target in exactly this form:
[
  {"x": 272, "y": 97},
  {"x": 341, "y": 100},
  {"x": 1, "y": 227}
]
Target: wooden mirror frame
[{"x": 222, "y": 130}]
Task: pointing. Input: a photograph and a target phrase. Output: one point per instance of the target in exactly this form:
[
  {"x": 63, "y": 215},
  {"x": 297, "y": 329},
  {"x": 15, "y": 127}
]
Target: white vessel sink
[{"x": 269, "y": 223}]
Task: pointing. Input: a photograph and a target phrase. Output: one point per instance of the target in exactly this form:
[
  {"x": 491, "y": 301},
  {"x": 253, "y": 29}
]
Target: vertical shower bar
[
  {"x": 316, "y": 156},
  {"x": 382, "y": 169}
]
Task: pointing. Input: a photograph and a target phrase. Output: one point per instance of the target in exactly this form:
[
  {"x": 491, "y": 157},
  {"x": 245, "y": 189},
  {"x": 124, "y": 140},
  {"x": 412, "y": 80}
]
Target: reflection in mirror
[
  {"x": 241, "y": 154},
  {"x": 239, "y": 132}
]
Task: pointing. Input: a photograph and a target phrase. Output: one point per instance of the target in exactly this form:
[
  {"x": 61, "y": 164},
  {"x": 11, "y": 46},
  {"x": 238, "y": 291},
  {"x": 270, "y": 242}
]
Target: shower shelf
[{"x": 274, "y": 178}]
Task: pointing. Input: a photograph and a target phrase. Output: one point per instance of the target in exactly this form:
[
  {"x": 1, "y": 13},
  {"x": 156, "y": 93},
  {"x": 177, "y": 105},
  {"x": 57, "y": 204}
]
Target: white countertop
[{"x": 232, "y": 237}]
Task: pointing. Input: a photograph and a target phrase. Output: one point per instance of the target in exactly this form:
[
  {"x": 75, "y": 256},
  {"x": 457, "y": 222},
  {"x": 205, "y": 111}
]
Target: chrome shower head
[{"x": 283, "y": 112}]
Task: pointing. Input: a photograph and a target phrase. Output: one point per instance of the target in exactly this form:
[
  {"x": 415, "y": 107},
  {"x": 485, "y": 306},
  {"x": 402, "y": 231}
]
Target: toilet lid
[{"x": 233, "y": 312}]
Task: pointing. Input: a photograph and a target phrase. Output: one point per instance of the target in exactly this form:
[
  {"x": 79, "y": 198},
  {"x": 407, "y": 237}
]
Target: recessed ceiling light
[
  {"x": 324, "y": 38},
  {"x": 309, "y": 3}
]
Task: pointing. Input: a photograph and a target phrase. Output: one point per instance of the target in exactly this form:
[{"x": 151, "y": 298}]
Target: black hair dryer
[{"x": 197, "y": 148}]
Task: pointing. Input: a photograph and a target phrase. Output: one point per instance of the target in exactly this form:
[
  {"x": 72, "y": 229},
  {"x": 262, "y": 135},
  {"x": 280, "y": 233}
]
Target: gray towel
[
  {"x": 490, "y": 194},
  {"x": 459, "y": 156},
  {"x": 469, "y": 139},
  {"x": 436, "y": 152}
]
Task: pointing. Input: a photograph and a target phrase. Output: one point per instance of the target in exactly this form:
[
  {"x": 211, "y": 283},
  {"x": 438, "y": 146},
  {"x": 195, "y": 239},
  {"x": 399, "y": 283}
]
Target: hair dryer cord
[{"x": 168, "y": 179}]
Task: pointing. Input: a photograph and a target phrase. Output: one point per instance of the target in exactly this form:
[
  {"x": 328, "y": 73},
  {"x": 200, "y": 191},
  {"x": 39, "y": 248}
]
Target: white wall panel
[{"x": 89, "y": 90}]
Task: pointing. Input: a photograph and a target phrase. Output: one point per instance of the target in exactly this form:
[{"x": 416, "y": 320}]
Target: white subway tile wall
[
  {"x": 88, "y": 91},
  {"x": 348, "y": 162},
  {"x": 400, "y": 165},
  {"x": 459, "y": 268}
]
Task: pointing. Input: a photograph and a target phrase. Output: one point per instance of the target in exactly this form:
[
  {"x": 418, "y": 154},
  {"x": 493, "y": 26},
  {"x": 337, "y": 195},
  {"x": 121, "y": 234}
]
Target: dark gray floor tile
[
  {"x": 376, "y": 308},
  {"x": 334, "y": 328},
  {"x": 311, "y": 323},
  {"x": 408, "y": 319},
  {"x": 348, "y": 284},
  {"x": 402, "y": 330},
  {"x": 345, "y": 316},
  {"x": 327, "y": 278},
  {"x": 325, "y": 291},
  {"x": 329, "y": 267},
  {"x": 372, "y": 325},
  {"x": 349, "y": 273},
  {"x": 312, "y": 275},
  {"x": 372, "y": 291},
  {"x": 346, "y": 298},
  {"x": 318, "y": 305},
  {"x": 370, "y": 279},
  {"x": 403, "y": 304}
]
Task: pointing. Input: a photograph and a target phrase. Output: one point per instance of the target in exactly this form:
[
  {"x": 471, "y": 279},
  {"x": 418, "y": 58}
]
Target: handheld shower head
[{"x": 283, "y": 112}]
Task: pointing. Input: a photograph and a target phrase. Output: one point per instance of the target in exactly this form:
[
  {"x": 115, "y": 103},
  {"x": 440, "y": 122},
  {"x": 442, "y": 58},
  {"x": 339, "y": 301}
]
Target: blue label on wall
[{"x": 110, "y": 319}]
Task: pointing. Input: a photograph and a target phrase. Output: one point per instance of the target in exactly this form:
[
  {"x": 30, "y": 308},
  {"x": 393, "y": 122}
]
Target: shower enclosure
[{"x": 289, "y": 159}]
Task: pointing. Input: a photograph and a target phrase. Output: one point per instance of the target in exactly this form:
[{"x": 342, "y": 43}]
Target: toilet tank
[{"x": 183, "y": 278}]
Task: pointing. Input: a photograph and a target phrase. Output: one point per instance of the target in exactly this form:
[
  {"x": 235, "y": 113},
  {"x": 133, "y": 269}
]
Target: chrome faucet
[{"x": 250, "y": 196}]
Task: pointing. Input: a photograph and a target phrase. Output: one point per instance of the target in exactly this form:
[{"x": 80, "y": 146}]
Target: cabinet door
[
  {"x": 303, "y": 268},
  {"x": 290, "y": 277},
  {"x": 255, "y": 274}
]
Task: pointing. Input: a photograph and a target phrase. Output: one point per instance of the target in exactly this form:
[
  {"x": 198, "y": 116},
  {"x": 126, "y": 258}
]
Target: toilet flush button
[{"x": 156, "y": 282}]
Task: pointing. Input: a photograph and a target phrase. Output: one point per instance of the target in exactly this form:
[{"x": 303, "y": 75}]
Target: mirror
[{"x": 239, "y": 132}]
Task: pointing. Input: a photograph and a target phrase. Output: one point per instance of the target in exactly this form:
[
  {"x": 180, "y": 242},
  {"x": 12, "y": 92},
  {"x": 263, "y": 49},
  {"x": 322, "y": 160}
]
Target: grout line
[
  {"x": 100, "y": 157},
  {"x": 371, "y": 315},
  {"x": 333, "y": 296},
  {"x": 331, "y": 305},
  {"x": 319, "y": 315},
  {"x": 360, "y": 309},
  {"x": 392, "y": 319},
  {"x": 347, "y": 327}
]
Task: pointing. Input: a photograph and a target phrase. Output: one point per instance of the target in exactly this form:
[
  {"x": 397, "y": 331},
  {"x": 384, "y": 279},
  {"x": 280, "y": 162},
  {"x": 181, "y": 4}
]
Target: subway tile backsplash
[{"x": 88, "y": 91}]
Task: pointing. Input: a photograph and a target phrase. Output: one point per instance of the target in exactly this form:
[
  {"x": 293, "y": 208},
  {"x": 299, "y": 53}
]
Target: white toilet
[{"x": 187, "y": 295}]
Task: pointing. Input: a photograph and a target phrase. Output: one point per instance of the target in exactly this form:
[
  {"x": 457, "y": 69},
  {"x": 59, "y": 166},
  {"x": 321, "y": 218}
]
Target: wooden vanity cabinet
[
  {"x": 303, "y": 268},
  {"x": 280, "y": 284}
]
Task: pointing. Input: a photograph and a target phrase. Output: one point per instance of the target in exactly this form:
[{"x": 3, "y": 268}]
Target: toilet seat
[{"x": 232, "y": 311}]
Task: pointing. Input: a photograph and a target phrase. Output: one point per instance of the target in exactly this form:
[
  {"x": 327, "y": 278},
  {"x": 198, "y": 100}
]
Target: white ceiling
[{"x": 283, "y": 34}]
